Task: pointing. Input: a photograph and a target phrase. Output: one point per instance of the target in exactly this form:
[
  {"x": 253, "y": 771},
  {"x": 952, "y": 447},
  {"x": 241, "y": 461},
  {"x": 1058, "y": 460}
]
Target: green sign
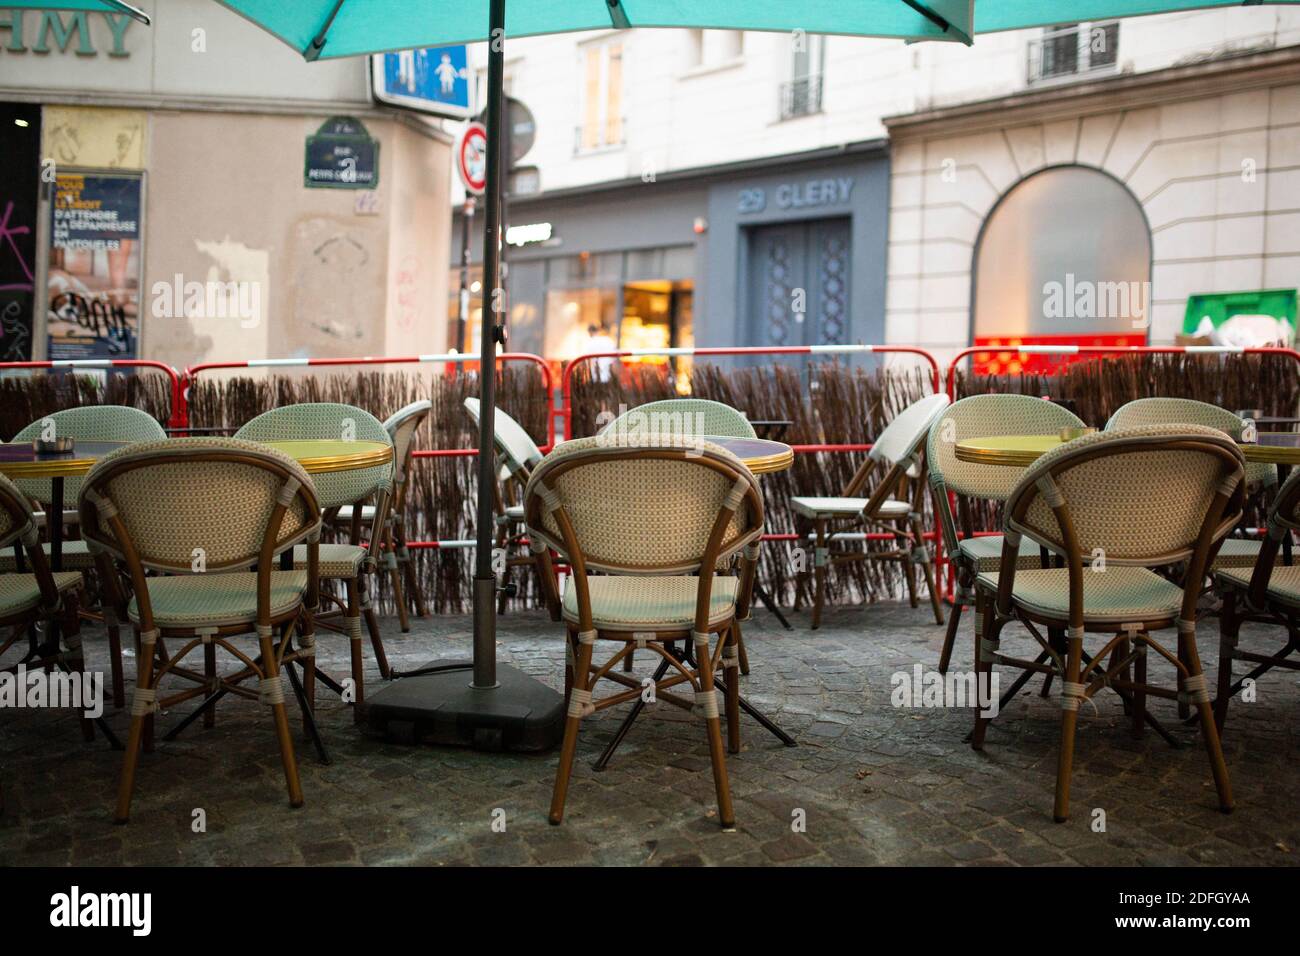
[
  {"x": 1265, "y": 315},
  {"x": 341, "y": 155}
]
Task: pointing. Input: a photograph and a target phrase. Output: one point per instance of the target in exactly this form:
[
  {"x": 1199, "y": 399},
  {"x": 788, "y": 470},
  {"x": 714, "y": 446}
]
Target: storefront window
[{"x": 470, "y": 343}]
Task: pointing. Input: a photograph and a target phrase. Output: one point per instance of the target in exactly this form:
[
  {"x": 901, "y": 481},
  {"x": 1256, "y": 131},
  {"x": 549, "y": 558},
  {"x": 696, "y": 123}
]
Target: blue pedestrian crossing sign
[{"x": 434, "y": 79}]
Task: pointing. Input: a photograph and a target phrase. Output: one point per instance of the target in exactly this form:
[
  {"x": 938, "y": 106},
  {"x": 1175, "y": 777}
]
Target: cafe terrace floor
[{"x": 869, "y": 783}]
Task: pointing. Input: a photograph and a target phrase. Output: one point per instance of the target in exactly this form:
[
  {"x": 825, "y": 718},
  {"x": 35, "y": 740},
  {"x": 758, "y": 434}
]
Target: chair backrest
[
  {"x": 650, "y": 508},
  {"x": 695, "y": 417},
  {"x": 164, "y": 504},
  {"x": 1180, "y": 411},
  {"x": 325, "y": 421},
  {"x": 16, "y": 520},
  {"x": 88, "y": 423},
  {"x": 904, "y": 435},
  {"x": 401, "y": 427},
  {"x": 1136, "y": 496},
  {"x": 18, "y": 524},
  {"x": 520, "y": 452},
  {"x": 981, "y": 416},
  {"x": 1283, "y": 519}
]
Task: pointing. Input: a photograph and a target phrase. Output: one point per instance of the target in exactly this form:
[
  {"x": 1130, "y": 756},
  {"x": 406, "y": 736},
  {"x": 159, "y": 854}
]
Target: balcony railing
[
  {"x": 606, "y": 135},
  {"x": 1082, "y": 49},
  {"x": 801, "y": 97}
]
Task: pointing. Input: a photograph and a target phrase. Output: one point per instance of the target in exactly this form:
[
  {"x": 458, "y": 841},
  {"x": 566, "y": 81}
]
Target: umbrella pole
[
  {"x": 497, "y": 709},
  {"x": 485, "y": 582}
]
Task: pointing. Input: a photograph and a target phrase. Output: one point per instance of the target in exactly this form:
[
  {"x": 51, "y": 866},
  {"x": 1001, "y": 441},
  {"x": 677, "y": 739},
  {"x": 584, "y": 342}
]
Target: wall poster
[{"x": 95, "y": 266}]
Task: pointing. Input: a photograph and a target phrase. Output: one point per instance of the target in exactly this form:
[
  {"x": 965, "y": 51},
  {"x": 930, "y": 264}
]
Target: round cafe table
[
  {"x": 1276, "y": 448},
  {"x": 21, "y": 460}
]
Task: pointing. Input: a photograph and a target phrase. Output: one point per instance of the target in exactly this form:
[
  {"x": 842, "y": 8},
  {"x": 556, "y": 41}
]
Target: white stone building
[{"x": 1184, "y": 128}]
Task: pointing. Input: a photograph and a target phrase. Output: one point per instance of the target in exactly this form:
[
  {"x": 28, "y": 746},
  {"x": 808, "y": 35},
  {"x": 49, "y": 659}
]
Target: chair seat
[
  {"x": 1237, "y": 553},
  {"x": 220, "y": 599},
  {"x": 20, "y": 592},
  {"x": 1117, "y": 595},
  {"x": 629, "y": 603},
  {"x": 985, "y": 552},
  {"x": 847, "y": 507},
  {"x": 76, "y": 557},
  {"x": 1283, "y": 583},
  {"x": 367, "y": 514},
  {"x": 336, "y": 560}
]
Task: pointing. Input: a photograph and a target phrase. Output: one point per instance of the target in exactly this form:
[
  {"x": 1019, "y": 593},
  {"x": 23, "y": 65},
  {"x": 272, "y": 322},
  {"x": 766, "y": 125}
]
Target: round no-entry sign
[{"x": 471, "y": 158}]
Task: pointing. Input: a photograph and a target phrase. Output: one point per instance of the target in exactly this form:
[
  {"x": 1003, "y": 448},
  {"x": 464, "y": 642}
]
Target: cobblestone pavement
[{"x": 875, "y": 784}]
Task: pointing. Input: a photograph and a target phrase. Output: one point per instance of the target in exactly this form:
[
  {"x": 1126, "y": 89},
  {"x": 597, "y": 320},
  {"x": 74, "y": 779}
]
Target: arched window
[{"x": 1065, "y": 254}]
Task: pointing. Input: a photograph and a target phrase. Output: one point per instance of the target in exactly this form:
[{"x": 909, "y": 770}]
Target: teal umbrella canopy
[
  {"x": 329, "y": 29},
  {"x": 91, "y": 6}
]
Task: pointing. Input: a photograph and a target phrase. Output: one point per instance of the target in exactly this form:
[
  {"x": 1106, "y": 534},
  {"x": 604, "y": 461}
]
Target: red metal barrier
[
  {"x": 179, "y": 412},
  {"x": 1026, "y": 350},
  {"x": 567, "y": 408},
  {"x": 450, "y": 358}
]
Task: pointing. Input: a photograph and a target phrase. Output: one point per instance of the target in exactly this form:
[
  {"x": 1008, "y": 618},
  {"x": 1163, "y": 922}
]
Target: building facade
[
  {"x": 778, "y": 251},
  {"x": 1157, "y": 114},
  {"x": 193, "y": 191}
]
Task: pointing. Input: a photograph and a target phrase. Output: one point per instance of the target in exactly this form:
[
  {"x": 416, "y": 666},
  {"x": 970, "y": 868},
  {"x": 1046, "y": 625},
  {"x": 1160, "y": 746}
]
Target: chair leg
[
  {"x": 210, "y": 672},
  {"x": 1229, "y": 628},
  {"x": 731, "y": 665},
  {"x": 393, "y": 565},
  {"x": 987, "y": 630},
  {"x": 909, "y": 574},
  {"x": 353, "y": 617},
  {"x": 71, "y": 623},
  {"x": 950, "y": 636},
  {"x": 927, "y": 566},
  {"x": 407, "y": 559},
  {"x": 272, "y": 669},
  {"x": 1056, "y": 638},
  {"x": 740, "y": 649},
  {"x": 582, "y": 674},
  {"x": 376, "y": 638},
  {"x": 1138, "y": 709},
  {"x": 713, "y": 725},
  {"x": 1069, "y": 721},
  {"x": 307, "y": 658},
  {"x": 141, "y": 705},
  {"x": 820, "y": 572},
  {"x": 114, "y": 652},
  {"x": 1213, "y": 747}
]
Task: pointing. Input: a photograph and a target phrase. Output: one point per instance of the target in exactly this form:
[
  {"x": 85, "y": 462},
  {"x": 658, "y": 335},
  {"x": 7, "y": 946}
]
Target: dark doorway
[
  {"x": 799, "y": 283},
  {"x": 20, "y": 173}
]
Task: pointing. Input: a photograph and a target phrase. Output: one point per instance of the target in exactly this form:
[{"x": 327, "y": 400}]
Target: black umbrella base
[{"x": 437, "y": 705}]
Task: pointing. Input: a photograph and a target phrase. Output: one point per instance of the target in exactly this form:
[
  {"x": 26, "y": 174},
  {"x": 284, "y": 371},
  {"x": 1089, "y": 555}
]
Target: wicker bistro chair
[
  {"x": 349, "y": 562},
  {"x": 1139, "y": 498},
  {"x": 517, "y": 456},
  {"x": 398, "y": 563},
  {"x": 88, "y": 423},
  {"x": 681, "y": 416},
  {"x": 899, "y": 450},
  {"x": 693, "y": 418},
  {"x": 39, "y": 595},
  {"x": 156, "y": 506},
  {"x": 981, "y": 416},
  {"x": 597, "y": 504},
  {"x": 1265, "y": 593},
  {"x": 1261, "y": 477}
]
